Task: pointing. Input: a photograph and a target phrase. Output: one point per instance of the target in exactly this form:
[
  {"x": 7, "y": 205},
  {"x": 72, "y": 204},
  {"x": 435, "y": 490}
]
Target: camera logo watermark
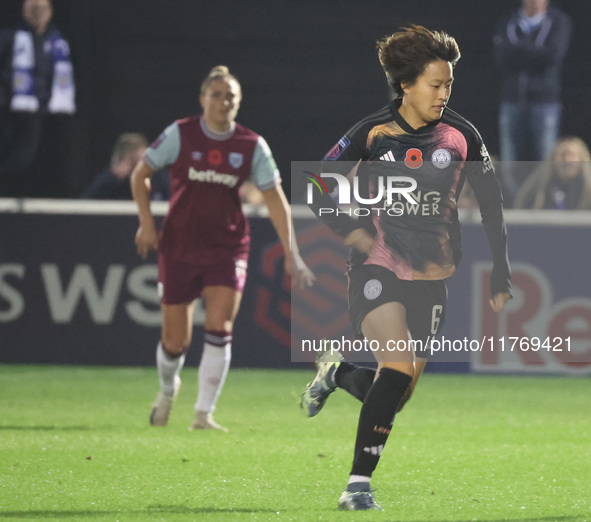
[{"x": 402, "y": 185}]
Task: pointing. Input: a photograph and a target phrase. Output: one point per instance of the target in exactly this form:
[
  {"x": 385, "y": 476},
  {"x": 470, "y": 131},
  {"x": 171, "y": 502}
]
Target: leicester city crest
[
  {"x": 372, "y": 289},
  {"x": 236, "y": 159},
  {"x": 441, "y": 158}
]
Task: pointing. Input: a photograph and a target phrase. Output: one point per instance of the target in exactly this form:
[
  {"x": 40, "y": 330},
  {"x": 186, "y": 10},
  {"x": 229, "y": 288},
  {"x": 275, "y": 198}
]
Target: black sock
[
  {"x": 376, "y": 418},
  {"x": 357, "y": 380}
]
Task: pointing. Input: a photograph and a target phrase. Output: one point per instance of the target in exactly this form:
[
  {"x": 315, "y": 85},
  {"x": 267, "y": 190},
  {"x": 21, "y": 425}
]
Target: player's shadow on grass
[
  {"x": 39, "y": 514},
  {"x": 45, "y": 428},
  {"x": 151, "y": 510},
  {"x": 185, "y": 510},
  {"x": 573, "y": 518}
]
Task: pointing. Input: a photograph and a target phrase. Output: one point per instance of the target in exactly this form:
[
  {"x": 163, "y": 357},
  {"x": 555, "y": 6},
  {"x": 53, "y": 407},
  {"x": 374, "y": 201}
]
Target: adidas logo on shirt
[{"x": 388, "y": 156}]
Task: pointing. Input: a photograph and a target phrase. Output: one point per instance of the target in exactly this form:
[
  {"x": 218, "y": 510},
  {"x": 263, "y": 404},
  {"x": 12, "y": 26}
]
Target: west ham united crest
[{"x": 236, "y": 159}]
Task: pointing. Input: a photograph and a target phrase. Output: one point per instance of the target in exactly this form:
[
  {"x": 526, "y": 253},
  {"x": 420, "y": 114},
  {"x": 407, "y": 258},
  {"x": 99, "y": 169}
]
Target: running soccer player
[
  {"x": 402, "y": 254},
  {"x": 204, "y": 243}
]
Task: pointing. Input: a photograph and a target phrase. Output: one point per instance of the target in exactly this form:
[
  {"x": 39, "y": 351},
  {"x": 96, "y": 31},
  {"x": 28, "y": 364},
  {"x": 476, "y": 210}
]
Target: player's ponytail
[{"x": 219, "y": 72}]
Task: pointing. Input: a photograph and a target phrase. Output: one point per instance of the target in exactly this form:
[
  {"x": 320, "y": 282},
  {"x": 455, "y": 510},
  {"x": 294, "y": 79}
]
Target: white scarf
[{"x": 23, "y": 85}]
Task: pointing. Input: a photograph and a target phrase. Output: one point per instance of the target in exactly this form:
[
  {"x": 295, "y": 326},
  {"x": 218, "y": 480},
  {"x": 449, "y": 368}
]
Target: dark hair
[
  {"x": 405, "y": 54},
  {"x": 219, "y": 72}
]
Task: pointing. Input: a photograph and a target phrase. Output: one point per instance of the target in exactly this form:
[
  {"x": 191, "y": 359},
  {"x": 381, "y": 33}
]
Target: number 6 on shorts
[{"x": 436, "y": 318}]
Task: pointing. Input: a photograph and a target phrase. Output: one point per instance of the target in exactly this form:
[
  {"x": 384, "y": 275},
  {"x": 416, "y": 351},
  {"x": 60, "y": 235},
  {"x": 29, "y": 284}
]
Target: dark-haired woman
[
  {"x": 204, "y": 242},
  {"x": 402, "y": 254}
]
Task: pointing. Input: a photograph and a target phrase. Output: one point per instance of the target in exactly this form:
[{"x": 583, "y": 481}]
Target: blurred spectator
[
  {"x": 114, "y": 182},
  {"x": 530, "y": 47},
  {"x": 36, "y": 79},
  {"x": 563, "y": 183}
]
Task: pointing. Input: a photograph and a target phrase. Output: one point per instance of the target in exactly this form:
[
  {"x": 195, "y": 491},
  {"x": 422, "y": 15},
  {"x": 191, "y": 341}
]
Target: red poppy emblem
[
  {"x": 414, "y": 158},
  {"x": 214, "y": 157}
]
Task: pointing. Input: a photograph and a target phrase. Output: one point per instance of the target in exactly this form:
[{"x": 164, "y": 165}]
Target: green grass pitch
[{"x": 75, "y": 445}]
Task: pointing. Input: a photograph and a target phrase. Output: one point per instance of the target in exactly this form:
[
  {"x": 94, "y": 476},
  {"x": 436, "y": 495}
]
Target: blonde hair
[
  {"x": 127, "y": 142},
  {"x": 219, "y": 72},
  {"x": 533, "y": 192}
]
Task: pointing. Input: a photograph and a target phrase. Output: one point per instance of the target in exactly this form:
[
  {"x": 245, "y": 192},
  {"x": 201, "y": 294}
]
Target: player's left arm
[
  {"x": 280, "y": 215},
  {"x": 265, "y": 175},
  {"x": 482, "y": 178}
]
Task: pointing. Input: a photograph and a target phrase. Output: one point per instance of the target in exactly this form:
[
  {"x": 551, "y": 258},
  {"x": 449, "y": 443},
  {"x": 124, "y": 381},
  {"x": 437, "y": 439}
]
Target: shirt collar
[{"x": 220, "y": 136}]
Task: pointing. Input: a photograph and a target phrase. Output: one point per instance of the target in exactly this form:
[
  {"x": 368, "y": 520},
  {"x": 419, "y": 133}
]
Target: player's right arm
[
  {"x": 349, "y": 150},
  {"x": 162, "y": 153},
  {"x": 146, "y": 237}
]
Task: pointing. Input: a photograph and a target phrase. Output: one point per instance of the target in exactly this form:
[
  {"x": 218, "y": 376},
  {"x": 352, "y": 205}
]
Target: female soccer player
[
  {"x": 204, "y": 242},
  {"x": 402, "y": 252}
]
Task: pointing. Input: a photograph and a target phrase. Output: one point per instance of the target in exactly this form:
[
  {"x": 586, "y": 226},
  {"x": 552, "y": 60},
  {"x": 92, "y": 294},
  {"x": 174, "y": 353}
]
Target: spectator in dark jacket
[{"x": 530, "y": 47}]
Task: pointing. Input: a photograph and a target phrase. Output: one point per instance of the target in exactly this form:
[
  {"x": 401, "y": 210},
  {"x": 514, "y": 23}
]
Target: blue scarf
[{"x": 23, "y": 85}]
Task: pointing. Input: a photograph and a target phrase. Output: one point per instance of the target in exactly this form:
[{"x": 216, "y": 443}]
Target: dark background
[{"x": 308, "y": 69}]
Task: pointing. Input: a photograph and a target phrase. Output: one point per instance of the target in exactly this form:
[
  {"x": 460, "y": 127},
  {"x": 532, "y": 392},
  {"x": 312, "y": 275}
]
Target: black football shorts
[{"x": 371, "y": 286}]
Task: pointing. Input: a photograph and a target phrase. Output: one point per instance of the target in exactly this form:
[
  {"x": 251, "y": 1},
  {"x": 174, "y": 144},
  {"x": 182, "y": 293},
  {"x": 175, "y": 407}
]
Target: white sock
[
  {"x": 358, "y": 478},
  {"x": 215, "y": 362},
  {"x": 168, "y": 368}
]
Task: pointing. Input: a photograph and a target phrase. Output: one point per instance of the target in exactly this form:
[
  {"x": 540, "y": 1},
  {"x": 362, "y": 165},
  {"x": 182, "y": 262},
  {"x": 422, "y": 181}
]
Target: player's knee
[
  {"x": 175, "y": 345},
  {"x": 218, "y": 325},
  {"x": 403, "y": 367}
]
